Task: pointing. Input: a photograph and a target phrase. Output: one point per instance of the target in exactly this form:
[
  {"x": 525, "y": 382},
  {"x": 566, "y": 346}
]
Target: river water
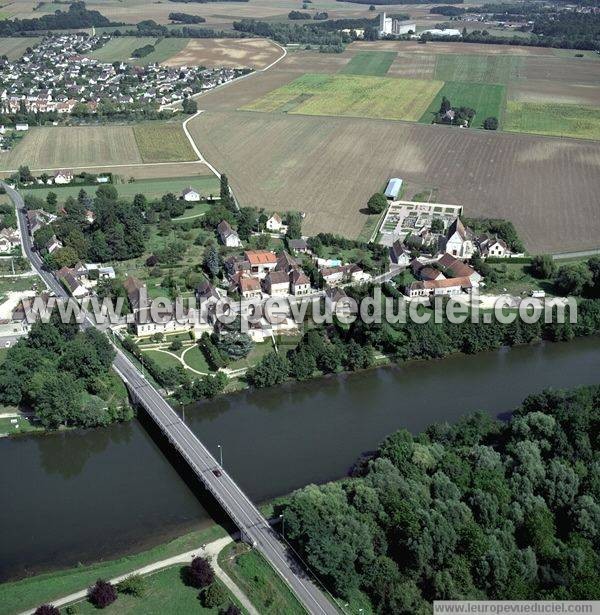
[{"x": 87, "y": 495}]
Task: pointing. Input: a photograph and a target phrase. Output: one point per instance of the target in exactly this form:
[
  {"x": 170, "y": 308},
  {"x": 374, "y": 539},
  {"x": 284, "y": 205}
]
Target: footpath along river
[{"x": 82, "y": 496}]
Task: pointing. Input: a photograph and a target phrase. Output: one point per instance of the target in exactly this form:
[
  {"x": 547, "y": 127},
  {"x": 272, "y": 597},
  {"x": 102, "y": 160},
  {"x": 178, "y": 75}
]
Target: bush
[
  {"x": 200, "y": 573},
  {"x": 543, "y": 266},
  {"x": 133, "y": 585},
  {"x": 102, "y": 594},
  {"x": 230, "y": 610},
  {"x": 490, "y": 123},
  {"x": 377, "y": 203},
  {"x": 175, "y": 345},
  {"x": 213, "y": 596},
  {"x": 47, "y": 609}
]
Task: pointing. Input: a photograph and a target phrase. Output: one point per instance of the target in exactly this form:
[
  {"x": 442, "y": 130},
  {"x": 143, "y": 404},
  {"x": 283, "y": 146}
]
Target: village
[
  {"x": 56, "y": 77},
  {"x": 423, "y": 250}
]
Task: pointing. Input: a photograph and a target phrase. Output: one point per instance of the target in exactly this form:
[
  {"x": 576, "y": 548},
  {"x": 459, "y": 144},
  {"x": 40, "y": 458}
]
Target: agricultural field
[
  {"x": 253, "y": 53},
  {"x": 121, "y": 48},
  {"x": 374, "y": 63},
  {"x": 553, "y": 119},
  {"x": 421, "y": 66},
  {"x": 352, "y": 95},
  {"x": 312, "y": 165},
  {"x": 73, "y": 146},
  {"x": 15, "y": 47},
  {"x": 163, "y": 143},
  {"x": 152, "y": 188},
  {"x": 486, "y": 99},
  {"x": 477, "y": 69}
]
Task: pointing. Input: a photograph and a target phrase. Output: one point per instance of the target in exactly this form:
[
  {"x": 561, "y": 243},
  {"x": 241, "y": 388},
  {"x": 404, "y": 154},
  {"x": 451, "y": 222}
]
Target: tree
[
  {"x": 573, "y": 279},
  {"x": 234, "y": 344},
  {"x": 47, "y": 609},
  {"x": 445, "y": 105},
  {"x": 51, "y": 200},
  {"x": 377, "y": 203},
  {"x": 302, "y": 364},
  {"x": 213, "y": 596},
  {"x": 294, "y": 224},
  {"x": 102, "y": 594},
  {"x": 175, "y": 345},
  {"x": 200, "y": 573},
  {"x": 437, "y": 225},
  {"x": 543, "y": 266},
  {"x": 189, "y": 105},
  {"x": 225, "y": 192},
  {"x": 490, "y": 123},
  {"x": 212, "y": 261},
  {"x": 272, "y": 369},
  {"x": 133, "y": 585}
]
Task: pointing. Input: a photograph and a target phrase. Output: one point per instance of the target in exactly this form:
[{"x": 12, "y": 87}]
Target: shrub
[
  {"x": 377, "y": 203},
  {"x": 490, "y": 123},
  {"x": 175, "y": 345},
  {"x": 543, "y": 266},
  {"x": 47, "y": 609},
  {"x": 102, "y": 594},
  {"x": 213, "y": 596},
  {"x": 201, "y": 573},
  {"x": 230, "y": 610},
  {"x": 133, "y": 585}
]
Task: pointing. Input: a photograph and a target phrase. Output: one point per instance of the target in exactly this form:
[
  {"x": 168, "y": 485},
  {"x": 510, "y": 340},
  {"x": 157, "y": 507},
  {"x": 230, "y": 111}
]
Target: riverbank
[{"x": 123, "y": 484}]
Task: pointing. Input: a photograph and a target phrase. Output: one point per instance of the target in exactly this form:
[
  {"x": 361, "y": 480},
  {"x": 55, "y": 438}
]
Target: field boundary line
[{"x": 113, "y": 166}]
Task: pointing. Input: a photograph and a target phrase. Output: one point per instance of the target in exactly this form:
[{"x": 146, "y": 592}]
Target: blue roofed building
[{"x": 393, "y": 188}]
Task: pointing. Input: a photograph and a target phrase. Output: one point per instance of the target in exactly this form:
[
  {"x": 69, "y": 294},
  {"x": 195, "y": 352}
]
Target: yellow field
[
  {"x": 352, "y": 95},
  {"x": 163, "y": 143}
]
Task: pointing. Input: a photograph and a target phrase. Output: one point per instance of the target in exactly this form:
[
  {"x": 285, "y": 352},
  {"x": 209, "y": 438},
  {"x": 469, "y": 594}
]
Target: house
[
  {"x": 227, "y": 235},
  {"x": 261, "y": 262},
  {"x": 236, "y": 264},
  {"x": 459, "y": 240},
  {"x": 446, "y": 287},
  {"x": 286, "y": 263},
  {"x": 53, "y": 245},
  {"x": 71, "y": 283},
  {"x": 299, "y": 283},
  {"x": 430, "y": 273},
  {"x": 353, "y": 273},
  {"x": 136, "y": 292},
  {"x": 161, "y": 320},
  {"x": 21, "y": 127},
  {"x": 103, "y": 272},
  {"x": 298, "y": 246},
  {"x": 333, "y": 296},
  {"x": 90, "y": 216},
  {"x": 455, "y": 268},
  {"x": 399, "y": 253},
  {"x": 9, "y": 239},
  {"x": 63, "y": 177},
  {"x": 37, "y": 218},
  {"x": 333, "y": 275},
  {"x": 276, "y": 225},
  {"x": 249, "y": 288},
  {"x": 206, "y": 298},
  {"x": 277, "y": 283},
  {"x": 189, "y": 194},
  {"x": 492, "y": 246},
  {"x": 393, "y": 188}
]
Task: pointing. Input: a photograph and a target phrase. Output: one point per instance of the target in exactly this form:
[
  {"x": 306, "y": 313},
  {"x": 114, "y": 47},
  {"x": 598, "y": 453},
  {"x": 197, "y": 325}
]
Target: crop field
[
  {"x": 351, "y": 95},
  {"x": 253, "y": 53},
  {"x": 14, "y": 48},
  {"x": 163, "y": 143},
  {"x": 539, "y": 91},
  {"x": 121, "y": 48},
  {"x": 477, "y": 69},
  {"x": 553, "y": 119},
  {"x": 416, "y": 66},
  {"x": 312, "y": 164},
  {"x": 486, "y": 99},
  {"x": 73, "y": 146},
  {"x": 370, "y": 63}
]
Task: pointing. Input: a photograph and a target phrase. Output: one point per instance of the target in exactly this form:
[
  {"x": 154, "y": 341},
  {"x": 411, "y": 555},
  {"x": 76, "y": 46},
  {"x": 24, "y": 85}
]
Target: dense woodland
[
  {"x": 78, "y": 16},
  {"x": 479, "y": 510},
  {"x": 64, "y": 375}
]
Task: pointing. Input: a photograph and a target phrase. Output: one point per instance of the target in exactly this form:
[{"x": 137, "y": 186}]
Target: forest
[{"x": 479, "y": 510}]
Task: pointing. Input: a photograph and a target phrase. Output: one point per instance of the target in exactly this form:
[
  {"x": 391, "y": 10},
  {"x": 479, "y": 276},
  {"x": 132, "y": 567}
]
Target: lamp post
[
  {"x": 282, "y": 526},
  {"x": 220, "y": 454}
]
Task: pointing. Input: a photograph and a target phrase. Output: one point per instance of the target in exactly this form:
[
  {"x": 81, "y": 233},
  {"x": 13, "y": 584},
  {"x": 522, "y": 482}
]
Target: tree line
[{"x": 478, "y": 510}]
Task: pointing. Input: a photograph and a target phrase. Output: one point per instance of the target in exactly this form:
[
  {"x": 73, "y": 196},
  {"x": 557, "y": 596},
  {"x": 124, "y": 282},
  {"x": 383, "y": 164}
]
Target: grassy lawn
[
  {"x": 165, "y": 593},
  {"x": 474, "y": 68},
  {"x": 486, "y": 99},
  {"x": 256, "y": 354},
  {"x": 195, "y": 359},
  {"x": 22, "y": 424},
  {"x": 516, "y": 279},
  {"x": 163, "y": 359},
  {"x": 121, "y": 48},
  {"x": 196, "y": 209},
  {"x": 30, "y": 592},
  {"x": 152, "y": 188},
  {"x": 15, "y": 284},
  {"x": 163, "y": 143},
  {"x": 553, "y": 119},
  {"x": 369, "y": 63},
  {"x": 352, "y": 95},
  {"x": 255, "y": 577}
]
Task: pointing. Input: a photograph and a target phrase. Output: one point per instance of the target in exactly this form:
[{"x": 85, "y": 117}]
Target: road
[{"x": 253, "y": 525}]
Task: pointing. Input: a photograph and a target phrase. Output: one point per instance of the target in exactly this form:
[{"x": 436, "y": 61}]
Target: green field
[
  {"x": 553, "y": 119},
  {"x": 15, "y": 47},
  {"x": 163, "y": 143},
  {"x": 351, "y": 95},
  {"x": 369, "y": 63},
  {"x": 121, "y": 48},
  {"x": 152, "y": 188},
  {"x": 477, "y": 69},
  {"x": 486, "y": 99}
]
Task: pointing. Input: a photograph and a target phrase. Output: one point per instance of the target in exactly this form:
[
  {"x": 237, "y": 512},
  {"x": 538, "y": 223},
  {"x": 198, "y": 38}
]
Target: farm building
[
  {"x": 189, "y": 194},
  {"x": 445, "y": 32},
  {"x": 393, "y": 188},
  {"x": 63, "y": 177}
]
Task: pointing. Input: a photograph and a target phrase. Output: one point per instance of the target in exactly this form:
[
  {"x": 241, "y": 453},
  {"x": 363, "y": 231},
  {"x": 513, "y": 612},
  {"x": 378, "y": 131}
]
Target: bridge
[{"x": 254, "y": 527}]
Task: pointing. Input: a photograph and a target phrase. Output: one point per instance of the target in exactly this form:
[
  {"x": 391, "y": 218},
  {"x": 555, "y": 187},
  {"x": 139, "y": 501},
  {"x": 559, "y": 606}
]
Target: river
[{"x": 81, "y": 496}]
